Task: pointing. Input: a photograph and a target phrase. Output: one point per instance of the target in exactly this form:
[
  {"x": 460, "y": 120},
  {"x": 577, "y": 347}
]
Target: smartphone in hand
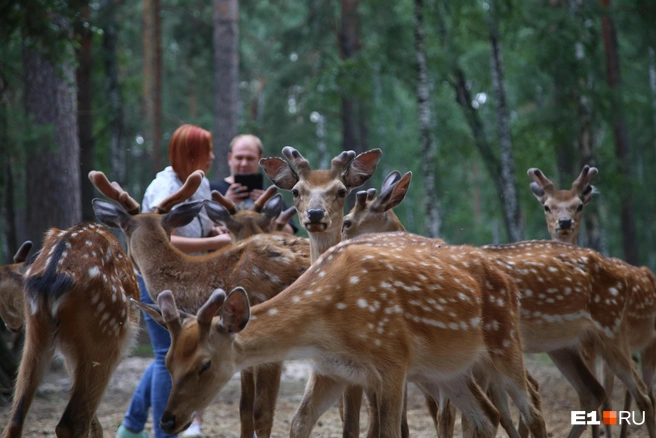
[{"x": 250, "y": 180}]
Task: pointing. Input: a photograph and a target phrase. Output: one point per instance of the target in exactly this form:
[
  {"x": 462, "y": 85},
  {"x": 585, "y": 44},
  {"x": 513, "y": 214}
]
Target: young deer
[
  {"x": 417, "y": 311},
  {"x": 11, "y": 288},
  {"x": 78, "y": 296},
  {"x": 263, "y": 263},
  {"x": 569, "y": 296},
  {"x": 564, "y": 212},
  {"x": 319, "y": 197}
]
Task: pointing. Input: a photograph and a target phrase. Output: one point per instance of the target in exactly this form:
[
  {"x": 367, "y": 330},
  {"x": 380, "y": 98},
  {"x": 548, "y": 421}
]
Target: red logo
[{"x": 610, "y": 417}]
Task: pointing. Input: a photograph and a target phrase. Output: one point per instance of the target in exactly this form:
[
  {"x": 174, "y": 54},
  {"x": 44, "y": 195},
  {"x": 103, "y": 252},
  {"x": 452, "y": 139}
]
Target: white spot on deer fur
[
  {"x": 321, "y": 274},
  {"x": 355, "y": 279},
  {"x": 454, "y": 326},
  {"x": 528, "y": 293},
  {"x": 474, "y": 322},
  {"x": 104, "y": 317},
  {"x": 362, "y": 303},
  {"x": 613, "y": 291},
  {"x": 94, "y": 271},
  {"x": 272, "y": 311},
  {"x": 101, "y": 305},
  {"x": 340, "y": 306},
  {"x": 307, "y": 293}
]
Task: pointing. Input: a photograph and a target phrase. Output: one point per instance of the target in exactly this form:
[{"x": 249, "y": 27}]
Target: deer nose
[
  {"x": 167, "y": 423},
  {"x": 315, "y": 214},
  {"x": 565, "y": 222}
]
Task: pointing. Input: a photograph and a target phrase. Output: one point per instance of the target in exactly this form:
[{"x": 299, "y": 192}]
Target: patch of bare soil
[{"x": 222, "y": 418}]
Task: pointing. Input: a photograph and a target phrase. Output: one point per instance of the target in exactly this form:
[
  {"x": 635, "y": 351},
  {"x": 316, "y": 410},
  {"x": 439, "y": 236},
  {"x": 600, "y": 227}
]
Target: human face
[
  {"x": 244, "y": 158},
  {"x": 206, "y": 165}
]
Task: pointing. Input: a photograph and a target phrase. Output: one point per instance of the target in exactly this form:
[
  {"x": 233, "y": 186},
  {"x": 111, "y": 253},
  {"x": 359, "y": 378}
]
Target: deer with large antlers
[
  {"x": 570, "y": 296},
  {"x": 264, "y": 263},
  {"x": 319, "y": 197},
  {"x": 563, "y": 211},
  {"x": 78, "y": 296},
  {"x": 11, "y": 288},
  {"x": 416, "y": 311}
]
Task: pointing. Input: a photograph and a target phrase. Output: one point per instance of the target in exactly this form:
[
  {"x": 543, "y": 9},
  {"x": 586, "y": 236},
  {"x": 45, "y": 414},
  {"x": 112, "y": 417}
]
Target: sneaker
[
  {"x": 124, "y": 432},
  {"x": 193, "y": 431}
]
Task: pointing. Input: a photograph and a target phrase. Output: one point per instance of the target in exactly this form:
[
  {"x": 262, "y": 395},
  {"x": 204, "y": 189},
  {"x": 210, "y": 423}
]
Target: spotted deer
[
  {"x": 570, "y": 296},
  {"x": 319, "y": 197},
  {"x": 264, "y": 263},
  {"x": 415, "y": 310},
  {"x": 563, "y": 211},
  {"x": 11, "y": 288},
  {"x": 78, "y": 296}
]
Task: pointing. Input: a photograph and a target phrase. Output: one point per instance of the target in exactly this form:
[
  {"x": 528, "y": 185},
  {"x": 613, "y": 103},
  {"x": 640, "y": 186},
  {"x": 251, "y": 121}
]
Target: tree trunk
[
  {"x": 117, "y": 161},
  {"x": 85, "y": 111},
  {"x": 652, "y": 87},
  {"x": 349, "y": 46},
  {"x": 147, "y": 80},
  {"x": 425, "y": 137},
  {"x": 8, "y": 214},
  {"x": 157, "y": 87},
  {"x": 226, "y": 78},
  {"x": 53, "y": 171},
  {"x": 509, "y": 200},
  {"x": 614, "y": 79}
]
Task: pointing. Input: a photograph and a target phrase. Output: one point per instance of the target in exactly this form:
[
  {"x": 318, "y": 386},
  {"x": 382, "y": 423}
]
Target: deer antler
[
  {"x": 186, "y": 191},
  {"x": 584, "y": 178},
  {"x": 114, "y": 191},
  {"x": 300, "y": 163},
  {"x": 227, "y": 203},
  {"x": 541, "y": 180},
  {"x": 264, "y": 197},
  {"x": 284, "y": 217},
  {"x": 340, "y": 162}
]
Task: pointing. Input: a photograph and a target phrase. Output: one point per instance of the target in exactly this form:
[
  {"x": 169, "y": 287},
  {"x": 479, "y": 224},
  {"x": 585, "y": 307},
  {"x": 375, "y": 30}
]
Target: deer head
[
  {"x": 373, "y": 214},
  {"x": 201, "y": 372},
  {"x": 563, "y": 209},
  {"x": 319, "y": 195},
  {"x": 11, "y": 288},
  {"x": 242, "y": 224}
]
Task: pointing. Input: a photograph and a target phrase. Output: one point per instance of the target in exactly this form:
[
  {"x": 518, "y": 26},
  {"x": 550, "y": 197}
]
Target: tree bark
[
  {"x": 157, "y": 87},
  {"x": 6, "y": 182},
  {"x": 349, "y": 46},
  {"x": 614, "y": 79},
  {"x": 85, "y": 111},
  {"x": 117, "y": 161},
  {"x": 652, "y": 87},
  {"x": 53, "y": 182},
  {"x": 425, "y": 138},
  {"x": 147, "y": 80},
  {"x": 226, "y": 78},
  {"x": 509, "y": 201}
]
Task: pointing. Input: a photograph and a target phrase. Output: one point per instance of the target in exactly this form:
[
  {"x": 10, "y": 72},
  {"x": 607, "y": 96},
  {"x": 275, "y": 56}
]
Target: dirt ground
[{"x": 222, "y": 419}]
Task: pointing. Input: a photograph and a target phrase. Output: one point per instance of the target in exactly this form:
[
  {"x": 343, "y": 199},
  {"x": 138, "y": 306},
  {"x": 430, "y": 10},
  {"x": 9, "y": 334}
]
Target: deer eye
[
  {"x": 295, "y": 193},
  {"x": 206, "y": 366},
  {"x": 342, "y": 192},
  {"x": 579, "y": 208},
  {"x": 347, "y": 224},
  {"x": 547, "y": 209}
]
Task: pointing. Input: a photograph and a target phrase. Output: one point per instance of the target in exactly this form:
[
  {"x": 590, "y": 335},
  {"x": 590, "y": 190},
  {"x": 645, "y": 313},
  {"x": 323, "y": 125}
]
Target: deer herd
[{"x": 371, "y": 306}]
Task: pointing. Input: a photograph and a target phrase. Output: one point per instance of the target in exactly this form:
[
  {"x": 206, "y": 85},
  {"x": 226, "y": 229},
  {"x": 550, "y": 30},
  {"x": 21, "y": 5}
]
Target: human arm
[{"x": 200, "y": 244}]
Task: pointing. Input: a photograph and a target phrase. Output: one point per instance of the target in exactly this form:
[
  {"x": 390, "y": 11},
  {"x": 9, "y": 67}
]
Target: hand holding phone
[{"x": 250, "y": 180}]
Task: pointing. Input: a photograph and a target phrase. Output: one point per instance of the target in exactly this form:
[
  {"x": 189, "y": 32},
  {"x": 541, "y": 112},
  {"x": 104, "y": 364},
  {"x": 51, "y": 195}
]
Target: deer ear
[
  {"x": 361, "y": 168},
  {"x": 217, "y": 212},
  {"x": 236, "y": 311},
  {"x": 538, "y": 192},
  {"x": 152, "y": 310},
  {"x": 181, "y": 216},
  {"x": 23, "y": 252},
  {"x": 390, "y": 179},
  {"x": 279, "y": 172},
  {"x": 111, "y": 214},
  {"x": 586, "y": 194},
  {"x": 209, "y": 309},
  {"x": 393, "y": 194}
]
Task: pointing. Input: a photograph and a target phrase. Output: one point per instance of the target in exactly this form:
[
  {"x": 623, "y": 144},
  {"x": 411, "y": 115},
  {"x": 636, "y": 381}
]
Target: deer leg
[
  {"x": 619, "y": 359},
  {"x": 372, "y": 408},
  {"x": 500, "y": 401},
  {"x": 446, "y": 420},
  {"x": 267, "y": 384},
  {"x": 352, "y": 402},
  {"x": 591, "y": 393},
  {"x": 390, "y": 396},
  {"x": 320, "y": 393},
  {"x": 96, "y": 428},
  {"x": 433, "y": 408},
  {"x": 467, "y": 396},
  {"x": 609, "y": 383},
  {"x": 533, "y": 387},
  {"x": 39, "y": 340},
  {"x": 247, "y": 403},
  {"x": 405, "y": 430}
]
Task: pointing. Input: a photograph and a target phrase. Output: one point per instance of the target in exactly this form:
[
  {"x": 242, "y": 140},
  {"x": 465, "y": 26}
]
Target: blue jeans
[{"x": 155, "y": 385}]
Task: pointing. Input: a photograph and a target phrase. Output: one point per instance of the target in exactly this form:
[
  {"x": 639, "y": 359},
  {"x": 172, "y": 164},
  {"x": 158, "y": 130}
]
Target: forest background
[{"x": 466, "y": 94}]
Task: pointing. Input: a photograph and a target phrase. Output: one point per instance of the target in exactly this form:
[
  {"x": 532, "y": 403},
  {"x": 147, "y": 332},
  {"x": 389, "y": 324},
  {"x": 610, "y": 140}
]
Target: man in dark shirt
[{"x": 244, "y": 157}]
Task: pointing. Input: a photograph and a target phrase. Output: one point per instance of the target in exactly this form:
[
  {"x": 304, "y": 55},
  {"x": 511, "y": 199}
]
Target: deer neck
[
  {"x": 573, "y": 239},
  {"x": 279, "y": 330},
  {"x": 320, "y": 242}
]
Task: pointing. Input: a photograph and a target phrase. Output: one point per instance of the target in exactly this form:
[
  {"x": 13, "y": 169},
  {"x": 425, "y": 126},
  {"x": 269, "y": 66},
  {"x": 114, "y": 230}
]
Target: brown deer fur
[
  {"x": 78, "y": 301},
  {"x": 11, "y": 289}
]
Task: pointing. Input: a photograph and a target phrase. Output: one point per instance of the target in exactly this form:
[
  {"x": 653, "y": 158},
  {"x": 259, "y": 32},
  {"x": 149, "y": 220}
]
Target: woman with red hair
[{"x": 190, "y": 149}]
